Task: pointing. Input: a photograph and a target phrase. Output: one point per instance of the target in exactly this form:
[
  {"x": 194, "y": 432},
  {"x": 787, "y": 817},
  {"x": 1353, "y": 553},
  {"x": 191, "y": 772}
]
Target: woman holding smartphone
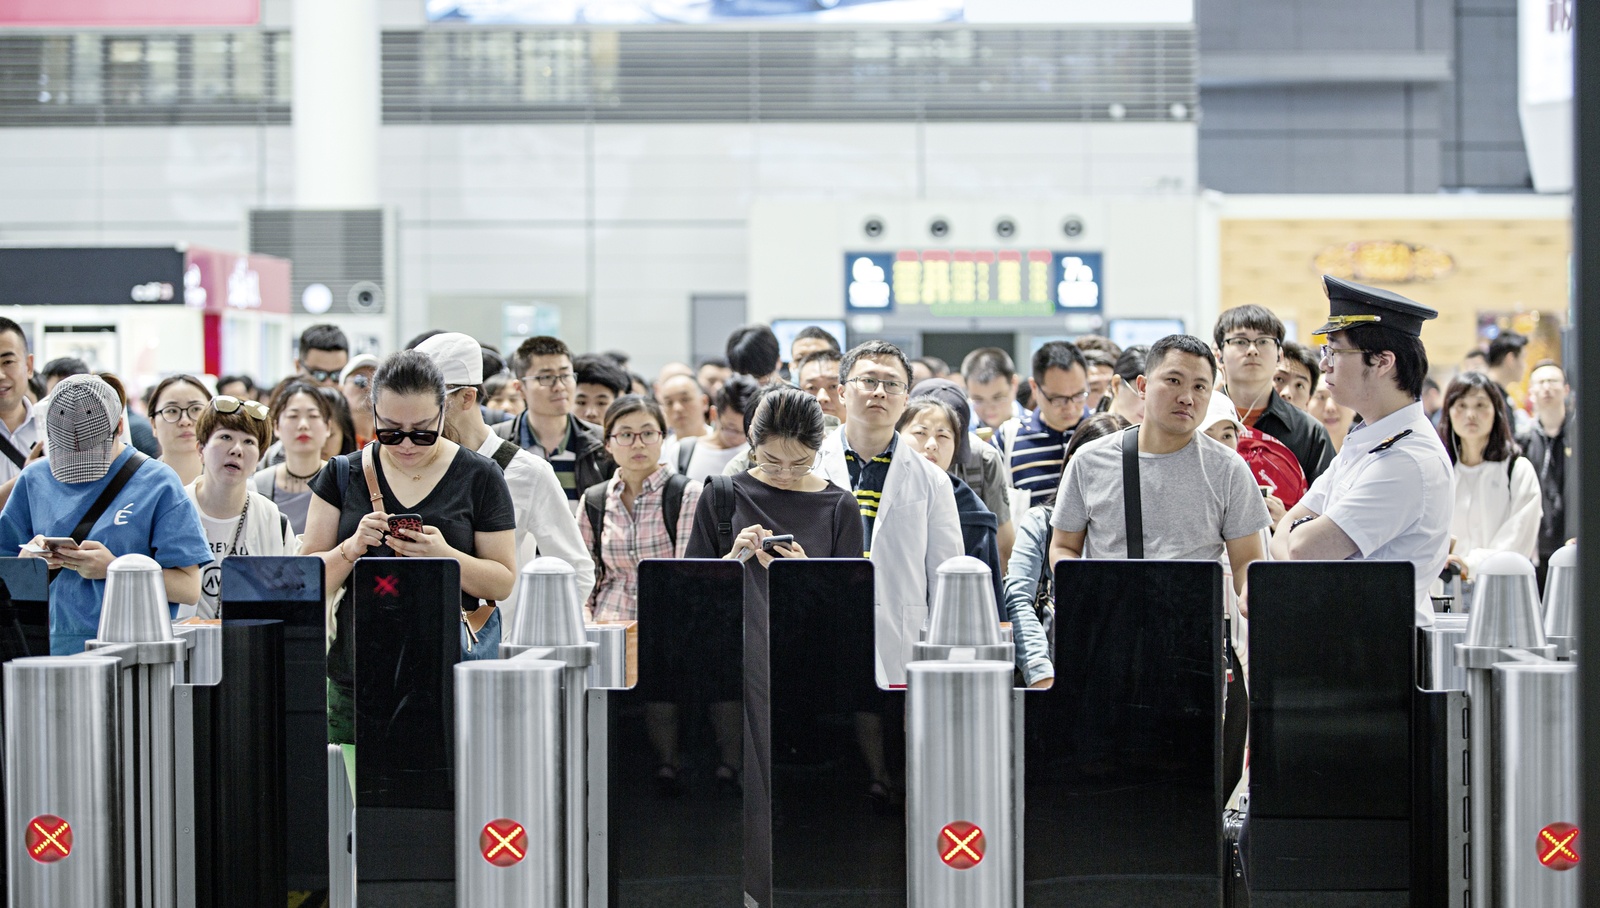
[{"x": 458, "y": 496}]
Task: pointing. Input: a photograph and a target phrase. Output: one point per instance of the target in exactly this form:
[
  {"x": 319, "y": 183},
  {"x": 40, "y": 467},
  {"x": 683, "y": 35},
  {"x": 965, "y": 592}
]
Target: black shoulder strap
[
  {"x": 1511, "y": 466},
  {"x": 685, "y": 453},
  {"x": 11, "y": 453},
  {"x": 672, "y": 503},
  {"x": 341, "y": 473},
  {"x": 722, "y": 506},
  {"x": 107, "y": 495},
  {"x": 504, "y": 454},
  {"x": 594, "y": 501},
  {"x": 1132, "y": 508}
]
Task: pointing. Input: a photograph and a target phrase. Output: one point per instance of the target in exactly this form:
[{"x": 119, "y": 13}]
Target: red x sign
[
  {"x": 503, "y": 842},
  {"x": 961, "y": 845},
  {"x": 386, "y": 586},
  {"x": 1558, "y": 846},
  {"x": 49, "y": 838}
]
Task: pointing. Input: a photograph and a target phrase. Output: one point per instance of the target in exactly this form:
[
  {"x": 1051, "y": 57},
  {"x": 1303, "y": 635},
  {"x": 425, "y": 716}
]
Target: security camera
[
  {"x": 365, "y": 296},
  {"x": 939, "y": 228},
  {"x": 1005, "y": 228},
  {"x": 1072, "y": 226},
  {"x": 873, "y": 228}
]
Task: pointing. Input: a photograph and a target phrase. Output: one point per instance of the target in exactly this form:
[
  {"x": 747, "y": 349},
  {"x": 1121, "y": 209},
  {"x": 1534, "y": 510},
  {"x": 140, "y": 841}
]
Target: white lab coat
[{"x": 917, "y": 530}]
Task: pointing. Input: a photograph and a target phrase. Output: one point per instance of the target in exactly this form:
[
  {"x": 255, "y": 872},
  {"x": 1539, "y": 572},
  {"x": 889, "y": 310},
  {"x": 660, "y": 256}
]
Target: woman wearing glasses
[
  {"x": 175, "y": 408},
  {"x": 232, "y": 433},
  {"x": 459, "y": 494}
]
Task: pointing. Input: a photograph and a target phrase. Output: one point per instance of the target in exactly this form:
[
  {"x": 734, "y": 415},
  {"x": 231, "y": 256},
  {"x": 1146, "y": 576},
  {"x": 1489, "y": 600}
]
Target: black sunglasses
[
  {"x": 323, "y": 374},
  {"x": 423, "y": 437}
]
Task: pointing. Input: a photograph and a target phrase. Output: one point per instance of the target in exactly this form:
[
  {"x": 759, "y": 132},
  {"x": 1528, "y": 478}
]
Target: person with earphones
[{"x": 1249, "y": 343}]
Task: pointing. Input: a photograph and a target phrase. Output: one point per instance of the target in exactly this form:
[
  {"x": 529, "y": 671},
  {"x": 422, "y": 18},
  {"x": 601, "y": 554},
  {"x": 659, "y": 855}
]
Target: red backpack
[{"x": 1273, "y": 466}]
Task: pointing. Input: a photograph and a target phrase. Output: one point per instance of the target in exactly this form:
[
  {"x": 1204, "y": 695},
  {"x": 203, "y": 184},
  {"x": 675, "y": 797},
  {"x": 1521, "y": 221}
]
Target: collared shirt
[
  {"x": 1299, "y": 432},
  {"x": 562, "y": 459},
  {"x": 23, "y": 438},
  {"x": 545, "y": 522},
  {"x": 632, "y": 535},
  {"x": 1037, "y": 456},
  {"x": 867, "y": 475},
  {"x": 1395, "y": 504}
]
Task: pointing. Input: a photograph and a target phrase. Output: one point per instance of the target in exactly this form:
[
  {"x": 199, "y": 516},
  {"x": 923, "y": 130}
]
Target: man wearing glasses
[
  {"x": 1035, "y": 446},
  {"x": 1387, "y": 495},
  {"x": 1249, "y": 344},
  {"x": 324, "y": 351},
  {"x": 908, "y": 508},
  {"x": 547, "y": 427}
]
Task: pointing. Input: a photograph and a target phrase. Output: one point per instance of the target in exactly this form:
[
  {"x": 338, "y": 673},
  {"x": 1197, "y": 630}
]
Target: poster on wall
[{"x": 807, "y": 12}]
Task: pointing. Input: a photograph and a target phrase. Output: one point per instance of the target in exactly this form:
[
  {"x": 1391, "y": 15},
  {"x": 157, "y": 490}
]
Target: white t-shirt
[
  {"x": 709, "y": 461},
  {"x": 265, "y": 532},
  {"x": 1192, "y": 501},
  {"x": 1498, "y": 509}
]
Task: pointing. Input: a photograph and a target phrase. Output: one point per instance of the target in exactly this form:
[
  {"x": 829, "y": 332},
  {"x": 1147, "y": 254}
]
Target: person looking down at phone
[
  {"x": 63, "y": 496},
  {"x": 459, "y": 497},
  {"x": 238, "y": 521}
]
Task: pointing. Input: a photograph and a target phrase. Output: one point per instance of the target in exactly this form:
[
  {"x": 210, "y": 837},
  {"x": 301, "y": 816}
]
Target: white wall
[{"x": 637, "y": 218}]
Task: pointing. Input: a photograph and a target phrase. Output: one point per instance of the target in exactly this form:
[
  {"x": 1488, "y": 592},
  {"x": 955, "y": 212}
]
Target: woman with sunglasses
[
  {"x": 175, "y": 408},
  {"x": 232, "y": 433},
  {"x": 459, "y": 494},
  {"x": 302, "y": 419},
  {"x": 781, "y": 494}
]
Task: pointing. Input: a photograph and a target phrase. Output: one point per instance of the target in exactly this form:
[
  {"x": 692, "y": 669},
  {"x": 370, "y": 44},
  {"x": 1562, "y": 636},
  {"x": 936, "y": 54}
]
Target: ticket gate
[{"x": 99, "y": 756}]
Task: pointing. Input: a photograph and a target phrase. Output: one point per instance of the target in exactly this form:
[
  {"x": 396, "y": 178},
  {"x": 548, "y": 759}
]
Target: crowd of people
[{"x": 1187, "y": 448}]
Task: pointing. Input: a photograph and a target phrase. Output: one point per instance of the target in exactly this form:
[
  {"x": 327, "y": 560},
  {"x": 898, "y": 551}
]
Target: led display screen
[{"x": 975, "y": 282}]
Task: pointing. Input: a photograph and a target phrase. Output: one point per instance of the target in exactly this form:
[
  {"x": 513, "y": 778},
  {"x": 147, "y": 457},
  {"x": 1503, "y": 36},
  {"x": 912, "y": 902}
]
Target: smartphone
[
  {"x": 771, "y": 542},
  {"x": 1265, "y": 490},
  {"x": 410, "y": 523},
  {"x": 60, "y": 542}
]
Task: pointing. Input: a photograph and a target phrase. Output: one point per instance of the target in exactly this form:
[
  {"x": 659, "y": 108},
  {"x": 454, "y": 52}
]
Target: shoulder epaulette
[{"x": 1389, "y": 442}]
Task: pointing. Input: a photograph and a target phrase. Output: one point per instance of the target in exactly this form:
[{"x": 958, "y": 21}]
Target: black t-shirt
[{"x": 470, "y": 497}]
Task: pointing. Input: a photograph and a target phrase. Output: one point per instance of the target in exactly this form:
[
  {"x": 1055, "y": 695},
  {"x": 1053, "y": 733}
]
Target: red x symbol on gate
[
  {"x": 386, "y": 586},
  {"x": 1553, "y": 846},
  {"x": 503, "y": 842},
  {"x": 961, "y": 845},
  {"x": 48, "y": 840}
]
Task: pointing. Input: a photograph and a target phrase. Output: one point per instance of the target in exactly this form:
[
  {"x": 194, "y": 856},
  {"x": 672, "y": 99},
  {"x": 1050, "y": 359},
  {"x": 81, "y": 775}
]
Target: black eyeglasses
[
  {"x": 173, "y": 412},
  {"x": 421, "y": 437},
  {"x": 323, "y": 374}
]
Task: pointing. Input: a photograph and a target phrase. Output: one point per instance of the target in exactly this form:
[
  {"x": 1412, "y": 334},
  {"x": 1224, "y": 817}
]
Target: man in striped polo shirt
[{"x": 1035, "y": 446}]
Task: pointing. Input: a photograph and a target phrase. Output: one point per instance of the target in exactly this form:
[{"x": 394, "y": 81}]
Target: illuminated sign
[
  {"x": 503, "y": 842},
  {"x": 48, "y": 838},
  {"x": 386, "y": 586},
  {"x": 974, "y": 282},
  {"x": 1558, "y": 846},
  {"x": 961, "y": 845}
]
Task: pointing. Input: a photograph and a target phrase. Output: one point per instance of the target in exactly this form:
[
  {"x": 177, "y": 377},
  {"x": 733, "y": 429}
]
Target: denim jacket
[{"x": 1029, "y": 560}]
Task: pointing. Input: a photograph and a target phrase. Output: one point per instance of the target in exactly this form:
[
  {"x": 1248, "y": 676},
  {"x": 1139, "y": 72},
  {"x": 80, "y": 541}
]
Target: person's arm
[
  {"x": 687, "y": 509},
  {"x": 1241, "y": 552},
  {"x": 321, "y": 538},
  {"x": 1279, "y": 546},
  {"x": 488, "y": 575},
  {"x": 1317, "y": 540},
  {"x": 1021, "y": 585},
  {"x": 555, "y": 530},
  {"x": 1005, "y": 536},
  {"x": 1066, "y": 545},
  {"x": 183, "y": 584}
]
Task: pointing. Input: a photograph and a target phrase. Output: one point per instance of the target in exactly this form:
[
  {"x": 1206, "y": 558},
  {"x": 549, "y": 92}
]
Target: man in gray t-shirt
[{"x": 1198, "y": 499}]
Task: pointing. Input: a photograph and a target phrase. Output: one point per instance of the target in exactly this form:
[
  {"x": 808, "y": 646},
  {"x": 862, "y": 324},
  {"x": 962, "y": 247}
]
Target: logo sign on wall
[{"x": 974, "y": 282}]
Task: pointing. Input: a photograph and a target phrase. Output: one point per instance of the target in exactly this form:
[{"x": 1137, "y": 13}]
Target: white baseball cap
[
  {"x": 458, "y": 356},
  {"x": 1221, "y": 409},
  {"x": 357, "y": 363}
]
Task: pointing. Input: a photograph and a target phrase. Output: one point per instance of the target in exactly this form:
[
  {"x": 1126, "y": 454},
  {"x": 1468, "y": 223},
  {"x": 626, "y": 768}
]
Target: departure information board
[{"x": 974, "y": 282}]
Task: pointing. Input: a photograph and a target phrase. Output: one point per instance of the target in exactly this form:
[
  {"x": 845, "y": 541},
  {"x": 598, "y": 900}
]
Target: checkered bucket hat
[{"x": 82, "y": 425}]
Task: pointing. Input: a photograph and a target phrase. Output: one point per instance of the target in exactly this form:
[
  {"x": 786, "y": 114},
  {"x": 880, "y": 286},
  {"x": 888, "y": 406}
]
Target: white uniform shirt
[
  {"x": 1395, "y": 504},
  {"x": 23, "y": 439},
  {"x": 545, "y": 523},
  {"x": 1498, "y": 508}
]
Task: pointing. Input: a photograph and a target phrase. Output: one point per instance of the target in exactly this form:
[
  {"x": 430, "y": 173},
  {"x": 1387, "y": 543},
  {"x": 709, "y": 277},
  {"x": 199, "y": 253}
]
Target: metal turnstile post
[
  {"x": 1536, "y": 747},
  {"x": 1561, "y": 602},
  {"x": 961, "y": 803}
]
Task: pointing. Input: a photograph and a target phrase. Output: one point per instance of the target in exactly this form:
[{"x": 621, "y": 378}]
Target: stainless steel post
[
  {"x": 1504, "y": 617},
  {"x": 1561, "y": 602},
  {"x": 962, "y": 826},
  {"x": 511, "y": 816},
  {"x": 1536, "y": 746},
  {"x": 341, "y": 833},
  {"x": 63, "y": 809}
]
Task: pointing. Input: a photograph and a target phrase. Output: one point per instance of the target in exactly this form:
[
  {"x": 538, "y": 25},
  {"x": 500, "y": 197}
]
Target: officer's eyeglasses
[
  {"x": 550, "y": 381},
  {"x": 1327, "y": 352},
  {"x": 1263, "y": 344},
  {"x": 626, "y": 439}
]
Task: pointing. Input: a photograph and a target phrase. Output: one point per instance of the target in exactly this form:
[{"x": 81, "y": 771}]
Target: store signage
[
  {"x": 1384, "y": 262},
  {"x": 145, "y": 13},
  {"x": 961, "y": 845},
  {"x": 975, "y": 282}
]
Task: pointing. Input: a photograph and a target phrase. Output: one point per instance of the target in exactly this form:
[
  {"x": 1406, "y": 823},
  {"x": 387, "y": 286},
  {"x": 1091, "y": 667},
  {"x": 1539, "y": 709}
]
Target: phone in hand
[
  {"x": 406, "y": 526},
  {"x": 1265, "y": 490},
  {"x": 771, "y": 542},
  {"x": 60, "y": 542}
]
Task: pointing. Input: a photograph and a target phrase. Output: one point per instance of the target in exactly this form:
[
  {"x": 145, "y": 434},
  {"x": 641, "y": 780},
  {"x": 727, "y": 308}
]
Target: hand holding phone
[
  {"x": 405, "y": 526},
  {"x": 60, "y": 542},
  {"x": 772, "y": 542}
]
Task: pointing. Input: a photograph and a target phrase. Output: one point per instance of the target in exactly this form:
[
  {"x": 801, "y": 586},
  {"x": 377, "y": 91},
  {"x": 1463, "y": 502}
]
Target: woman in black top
[
  {"x": 461, "y": 496},
  {"x": 780, "y": 494}
]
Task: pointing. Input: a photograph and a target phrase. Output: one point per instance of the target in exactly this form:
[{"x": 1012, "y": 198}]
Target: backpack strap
[
  {"x": 1132, "y": 508},
  {"x": 17, "y": 458},
  {"x": 504, "y": 454},
  {"x": 594, "y": 502},
  {"x": 722, "y": 501},
  {"x": 685, "y": 453},
  {"x": 672, "y": 503}
]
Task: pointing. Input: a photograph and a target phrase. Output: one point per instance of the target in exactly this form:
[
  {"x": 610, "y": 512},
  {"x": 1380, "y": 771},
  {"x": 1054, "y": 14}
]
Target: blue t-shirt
[{"x": 150, "y": 516}]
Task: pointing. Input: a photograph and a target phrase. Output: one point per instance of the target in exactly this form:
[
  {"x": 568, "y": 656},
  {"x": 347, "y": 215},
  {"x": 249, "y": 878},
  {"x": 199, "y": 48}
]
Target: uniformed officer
[{"x": 1387, "y": 496}]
